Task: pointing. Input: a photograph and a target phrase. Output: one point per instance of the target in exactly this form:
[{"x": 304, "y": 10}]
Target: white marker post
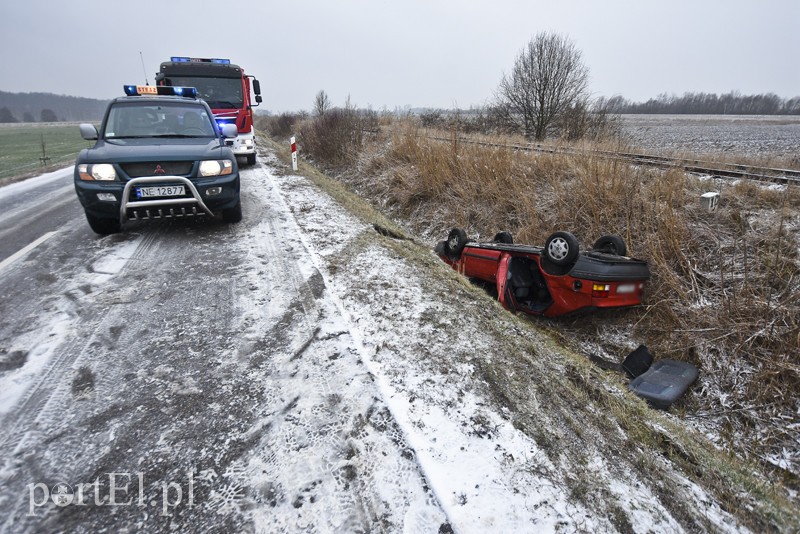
[{"x": 294, "y": 154}]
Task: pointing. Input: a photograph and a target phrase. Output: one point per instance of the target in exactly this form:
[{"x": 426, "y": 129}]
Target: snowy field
[{"x": 735, "y": 135}]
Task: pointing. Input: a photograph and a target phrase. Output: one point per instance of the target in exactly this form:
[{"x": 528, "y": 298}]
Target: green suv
[{"x": 158, "y": 154}]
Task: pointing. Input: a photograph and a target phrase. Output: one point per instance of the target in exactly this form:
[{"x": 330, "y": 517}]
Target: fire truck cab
[{"x": 226, "y": 89}]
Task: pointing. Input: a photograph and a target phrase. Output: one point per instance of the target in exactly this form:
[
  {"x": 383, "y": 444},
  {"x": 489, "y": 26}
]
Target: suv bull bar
[{"x": 196, "y": 200}]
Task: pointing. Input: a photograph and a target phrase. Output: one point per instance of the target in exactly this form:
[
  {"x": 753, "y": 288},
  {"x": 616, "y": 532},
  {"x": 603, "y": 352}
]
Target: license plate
[
  {"x": 160, "y": 191},
  {"x": 624, "y": 289}
]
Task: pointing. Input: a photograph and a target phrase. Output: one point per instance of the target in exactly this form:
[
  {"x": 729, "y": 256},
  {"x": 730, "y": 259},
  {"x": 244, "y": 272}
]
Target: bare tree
[
  {"x": 548, "y": 78},
  {"x": 7, "y": 116},
  {"x": 48, "y": 115},
  {"x": 321, "y": 104}
]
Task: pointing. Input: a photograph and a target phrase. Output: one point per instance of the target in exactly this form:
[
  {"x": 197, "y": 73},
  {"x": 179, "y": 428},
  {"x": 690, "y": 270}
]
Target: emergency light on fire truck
[
  {"x": 181, "y": 59},
  {"x": 160, "y": 90}
]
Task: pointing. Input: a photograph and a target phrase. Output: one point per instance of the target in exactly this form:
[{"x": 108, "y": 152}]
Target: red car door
[{"x": 503, "y": 289}]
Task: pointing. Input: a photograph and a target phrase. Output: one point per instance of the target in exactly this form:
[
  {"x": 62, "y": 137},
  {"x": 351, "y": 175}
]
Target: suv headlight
[
  {"x": 216, "y": 167},
  {"x": 98, "y": 171}
]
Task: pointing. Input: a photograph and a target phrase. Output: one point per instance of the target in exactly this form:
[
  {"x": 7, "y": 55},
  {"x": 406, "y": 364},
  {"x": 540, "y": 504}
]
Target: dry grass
[
  {"x": 724, "y": 286},
  {"x": 524, "y": 375}
]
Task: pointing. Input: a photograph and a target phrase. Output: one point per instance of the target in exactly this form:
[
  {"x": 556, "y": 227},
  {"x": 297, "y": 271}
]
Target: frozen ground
[
  {"x": 297, "y": 372},
  {"x": 424, "y": 341}
]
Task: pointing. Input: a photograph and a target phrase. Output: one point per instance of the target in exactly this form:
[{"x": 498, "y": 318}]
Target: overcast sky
[{"x": 392, "y": 53}]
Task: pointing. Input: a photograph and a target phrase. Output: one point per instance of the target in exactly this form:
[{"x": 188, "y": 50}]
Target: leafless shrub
[
  {"x": 336, "y": 137},
  {"x": 585, "y": 120},
  {"x": 431, "y": 118},
  {"x": 282, "y": 125}
]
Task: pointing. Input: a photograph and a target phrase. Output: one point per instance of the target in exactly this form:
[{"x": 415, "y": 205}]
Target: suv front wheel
[
  {"x": 234, "y": 214},
  {"x": 103, "y": 226}
]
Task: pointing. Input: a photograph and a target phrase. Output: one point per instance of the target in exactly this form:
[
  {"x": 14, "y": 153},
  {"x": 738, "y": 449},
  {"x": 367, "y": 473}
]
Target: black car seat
[
  {"x": 522, "y": 283},
  {"x": 528, "y": 285}
]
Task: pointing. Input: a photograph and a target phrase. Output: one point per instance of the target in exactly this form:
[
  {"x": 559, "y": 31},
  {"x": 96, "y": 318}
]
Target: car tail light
[{"x": 601, "y": 290}]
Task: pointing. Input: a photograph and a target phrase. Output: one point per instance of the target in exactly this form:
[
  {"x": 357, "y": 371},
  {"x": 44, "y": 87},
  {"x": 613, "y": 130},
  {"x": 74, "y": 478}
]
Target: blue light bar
[
  {"x": 182, "y": 59},
  {"x": 160, "y": 90}
]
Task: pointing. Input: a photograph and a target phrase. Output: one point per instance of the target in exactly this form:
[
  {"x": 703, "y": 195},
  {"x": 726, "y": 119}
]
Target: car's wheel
[
  {"x": 456, "y": 241},
  {"x": 561, "y": 248},
  {"x": 234, "y": 214},
  {"x": 503, "y": 237},
  {"x": 103, "y": 226},
  {"x": 251, "y": 159},
  {"x": 611, "y": 244}
]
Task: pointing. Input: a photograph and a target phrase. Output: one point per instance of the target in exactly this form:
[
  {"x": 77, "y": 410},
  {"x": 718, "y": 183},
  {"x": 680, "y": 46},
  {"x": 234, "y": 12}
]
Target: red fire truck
[{"x": 226, "y": 89}]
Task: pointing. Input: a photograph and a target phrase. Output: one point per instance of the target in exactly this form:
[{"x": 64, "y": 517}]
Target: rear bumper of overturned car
[
  {"x": 599, "y": 280},
  {"x": 571, "y": 295},
  {"x": 609, "y": 268}
]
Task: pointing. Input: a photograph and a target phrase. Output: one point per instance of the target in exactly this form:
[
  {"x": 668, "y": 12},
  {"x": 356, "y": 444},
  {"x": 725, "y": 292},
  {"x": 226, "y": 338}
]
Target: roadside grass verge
[
  {"x": 724, "y": 283},
  {"x": 573, "y": 411},
  {"x": 21, "y": 149}
]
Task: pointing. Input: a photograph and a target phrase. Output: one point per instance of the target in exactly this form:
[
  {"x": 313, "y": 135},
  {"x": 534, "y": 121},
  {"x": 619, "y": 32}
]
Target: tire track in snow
[
  {"x": 54, "y": 353},
  {"x": 330, "y": 457},
  {"x": 258, "y": 387}
]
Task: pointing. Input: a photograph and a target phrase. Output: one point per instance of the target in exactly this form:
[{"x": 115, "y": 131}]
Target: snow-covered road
[{"x": 193, "y": 376}]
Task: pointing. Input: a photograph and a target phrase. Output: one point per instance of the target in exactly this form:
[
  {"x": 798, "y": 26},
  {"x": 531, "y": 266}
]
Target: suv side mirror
[
  {"x": 229, "y": 131},
  {"x": 88, "y": 132}
]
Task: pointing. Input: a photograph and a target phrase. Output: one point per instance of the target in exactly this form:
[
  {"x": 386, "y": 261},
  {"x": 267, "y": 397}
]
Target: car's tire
[
  {"x": 611, "y": 244},
  {"x": 234, "y": 214},
  {"x": 103, "y": 226},
  {"x": 503, "y": 237},
  {"x": 561, "y": 248},
  {"x": 456, "y": 241},
  {"x": 251, "y": 159}
]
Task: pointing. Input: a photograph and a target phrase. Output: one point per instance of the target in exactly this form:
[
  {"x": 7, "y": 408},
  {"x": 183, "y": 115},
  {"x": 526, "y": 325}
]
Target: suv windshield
[
  {"x": 219, "y": 93},
  {"x": 148, "y": 119}
]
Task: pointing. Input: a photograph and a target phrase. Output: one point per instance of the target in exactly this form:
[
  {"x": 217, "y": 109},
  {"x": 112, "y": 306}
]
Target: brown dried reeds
[{"x": 724, "y": 285}]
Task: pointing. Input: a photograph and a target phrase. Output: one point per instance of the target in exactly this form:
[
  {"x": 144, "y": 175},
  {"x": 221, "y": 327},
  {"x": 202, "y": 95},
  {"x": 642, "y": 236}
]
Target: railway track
[{"x": 723, "y": 170}]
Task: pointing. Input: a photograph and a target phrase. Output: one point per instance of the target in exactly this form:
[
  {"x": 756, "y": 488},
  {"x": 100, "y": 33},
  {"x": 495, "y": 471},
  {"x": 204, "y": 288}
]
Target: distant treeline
[
  {"x": 47, "y": 107},
  {"x": 705, "y": 104}
]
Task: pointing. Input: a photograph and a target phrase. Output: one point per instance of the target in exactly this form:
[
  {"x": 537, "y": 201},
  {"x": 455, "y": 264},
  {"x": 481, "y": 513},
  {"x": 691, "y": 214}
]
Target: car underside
[{"x": 553, "y": 280}]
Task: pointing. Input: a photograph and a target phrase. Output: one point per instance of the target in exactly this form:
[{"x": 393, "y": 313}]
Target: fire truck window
[{"x": 219, "y": 93}]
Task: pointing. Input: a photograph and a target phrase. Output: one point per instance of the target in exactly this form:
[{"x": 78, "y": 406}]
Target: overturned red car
[{"x": 553, "y": 280}]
